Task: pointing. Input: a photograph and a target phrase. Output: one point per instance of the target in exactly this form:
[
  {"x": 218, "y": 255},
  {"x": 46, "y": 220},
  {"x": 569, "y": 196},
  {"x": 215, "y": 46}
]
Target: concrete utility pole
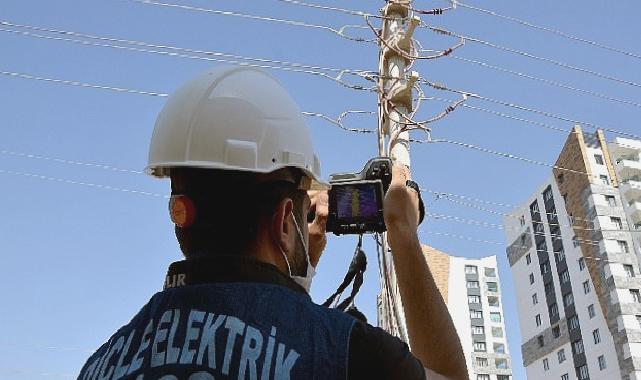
[{"x": 394, "y": 106}]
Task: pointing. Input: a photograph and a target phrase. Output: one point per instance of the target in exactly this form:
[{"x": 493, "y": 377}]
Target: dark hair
[{"x": 230, "y": 206}]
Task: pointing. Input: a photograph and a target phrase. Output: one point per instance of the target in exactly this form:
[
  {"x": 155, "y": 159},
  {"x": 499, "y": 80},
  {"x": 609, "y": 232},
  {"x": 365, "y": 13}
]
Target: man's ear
[{"x": 281, "y": 228}]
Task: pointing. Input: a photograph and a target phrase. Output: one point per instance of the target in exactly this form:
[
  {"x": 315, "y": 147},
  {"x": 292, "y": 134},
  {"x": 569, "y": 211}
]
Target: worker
[{"x": 244, "y": 177}]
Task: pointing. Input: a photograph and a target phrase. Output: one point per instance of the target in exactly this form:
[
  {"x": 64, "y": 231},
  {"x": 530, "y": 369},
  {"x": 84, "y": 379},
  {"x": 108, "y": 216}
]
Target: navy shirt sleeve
[{"x": 375, "y": 354}]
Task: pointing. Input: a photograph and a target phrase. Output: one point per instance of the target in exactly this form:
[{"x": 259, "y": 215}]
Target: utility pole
[{"x": 394, "y": 108}]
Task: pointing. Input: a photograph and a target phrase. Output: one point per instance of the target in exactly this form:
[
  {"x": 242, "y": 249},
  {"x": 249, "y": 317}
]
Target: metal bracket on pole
[
  {"x": 401, "y": 41},
  {"x": 401, "y": 92},
  {"x": 400, "y": 7}
]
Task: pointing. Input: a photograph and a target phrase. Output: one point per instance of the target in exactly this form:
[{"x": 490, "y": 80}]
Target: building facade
[
  {"x": 472, "y": 291},
  {"x": 573, "y": 250}
]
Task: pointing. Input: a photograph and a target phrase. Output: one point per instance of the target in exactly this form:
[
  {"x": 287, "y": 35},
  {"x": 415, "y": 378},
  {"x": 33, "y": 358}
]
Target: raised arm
[{"x": 432, "y": 334}]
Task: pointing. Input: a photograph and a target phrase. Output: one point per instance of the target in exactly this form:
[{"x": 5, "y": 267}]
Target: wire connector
[
  {"x": 401, "y": 42},
  {"x": 400, "y": 94}
]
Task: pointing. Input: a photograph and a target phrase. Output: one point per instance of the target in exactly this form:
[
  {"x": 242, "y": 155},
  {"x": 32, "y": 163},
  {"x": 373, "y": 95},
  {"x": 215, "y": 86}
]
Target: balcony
[
  {"x": 631, "y": 189},
  {"x": 628, "y": 169},
  {"x": 622, "y": 147},
  {"x": 635, "y": 212}
]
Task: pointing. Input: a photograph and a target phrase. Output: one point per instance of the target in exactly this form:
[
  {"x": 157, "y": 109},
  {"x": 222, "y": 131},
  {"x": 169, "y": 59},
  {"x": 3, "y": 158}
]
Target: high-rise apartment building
[
  {"x": 472, "y": 291},
  {"x": 573, "y": 249}
]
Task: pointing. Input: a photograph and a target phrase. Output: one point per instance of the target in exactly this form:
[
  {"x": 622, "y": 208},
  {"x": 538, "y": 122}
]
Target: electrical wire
[
  {"x": 175, "y": 48},
  {"x": 69, "y": 162},
  {"x": 81, "y": 183},
  {"x": 546, "y": 81},
  {"x": 532, "y": 56},
  {"x": 337, "y": 78},
  {"x": 503, "y": 115},
  {"x": 81, "y": 84},
  {"x": 549, "y": 30},
  {"x": 339, "y": 32},
  {"x": 339, "y": 121},
  {"x": 441, "y": 87},
  {"x": 330, "y": 8}
]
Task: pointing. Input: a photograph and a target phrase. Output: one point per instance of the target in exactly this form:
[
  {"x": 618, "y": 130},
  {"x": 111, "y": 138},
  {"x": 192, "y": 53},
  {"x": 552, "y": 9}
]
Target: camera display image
[{"x": 356, "y": 201}]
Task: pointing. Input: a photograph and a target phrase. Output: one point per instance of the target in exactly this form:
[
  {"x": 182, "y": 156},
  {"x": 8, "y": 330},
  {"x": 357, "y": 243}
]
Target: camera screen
[{"x": 356, "y": 201}]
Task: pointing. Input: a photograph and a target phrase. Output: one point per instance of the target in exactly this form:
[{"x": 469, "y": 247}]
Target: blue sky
[{"x": 80, "y": 260}]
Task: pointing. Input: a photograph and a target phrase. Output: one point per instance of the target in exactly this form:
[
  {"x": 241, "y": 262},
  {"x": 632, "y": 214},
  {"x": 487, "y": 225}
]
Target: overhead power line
[
  {"x": 81, "y": 84},
  {"x": 533, "y": 56},
  {"x": 82, "y": 183},
  {"x": 290, "y": 66},
  {"x": 549, "y": 30},
  {"x": 504, "y": 103},
  {"x": 547, "y": 81},
  {"x": 338, "y": 31}
]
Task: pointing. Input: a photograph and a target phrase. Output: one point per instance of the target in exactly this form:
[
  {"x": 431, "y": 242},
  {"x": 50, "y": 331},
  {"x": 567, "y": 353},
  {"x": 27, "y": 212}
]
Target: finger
[{"x": 400, "y": 174}]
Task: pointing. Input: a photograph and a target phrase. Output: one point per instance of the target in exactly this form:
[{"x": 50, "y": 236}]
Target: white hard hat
[{"x": 237, "y": 118}]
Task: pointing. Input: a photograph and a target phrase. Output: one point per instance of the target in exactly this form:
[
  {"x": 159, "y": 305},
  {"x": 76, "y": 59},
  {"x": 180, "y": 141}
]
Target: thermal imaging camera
[{"x": 356, "y": 199}]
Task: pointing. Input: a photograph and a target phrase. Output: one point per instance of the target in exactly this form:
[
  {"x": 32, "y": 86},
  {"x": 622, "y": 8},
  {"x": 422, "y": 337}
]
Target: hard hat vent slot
[
  {"x": 242, "y": 154},
  {"x": 293, "y": 159}
]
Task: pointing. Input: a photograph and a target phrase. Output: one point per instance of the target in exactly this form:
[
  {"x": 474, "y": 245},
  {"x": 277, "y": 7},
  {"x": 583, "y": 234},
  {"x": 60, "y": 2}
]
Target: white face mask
[{"x": 304, "y": 281}]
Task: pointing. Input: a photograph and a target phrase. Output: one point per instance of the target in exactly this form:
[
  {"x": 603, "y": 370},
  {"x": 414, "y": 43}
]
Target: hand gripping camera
[{"x": 356, "y": 199}]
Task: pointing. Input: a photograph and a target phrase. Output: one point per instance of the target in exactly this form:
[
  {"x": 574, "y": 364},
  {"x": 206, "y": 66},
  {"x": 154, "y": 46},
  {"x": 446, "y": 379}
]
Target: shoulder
[{"x": 374, "y": 353}]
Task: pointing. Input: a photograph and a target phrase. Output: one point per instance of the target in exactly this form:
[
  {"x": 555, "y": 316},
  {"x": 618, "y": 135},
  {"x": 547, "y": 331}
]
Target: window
[
  {"x": 564, "y": 276},
  {"x": 481, "y": 362},
  {"x": 478, "y": 330},
  {"x": 556, "y": 332},
  {"x": 545, "y": 267},
  {"x": 482, "y": 376},
  {"x": 623, "y": 246},
  {"x": 546, "y": 364},
  {"x": 611, "y": 200},
  {"x": 560, "y": 354},
  {"x": 502, "y": 377},
  {"x": 596, "y": 336},
  {"x": 581, "y": 263},
  {"x": 604, "y": 179},
  {"x": 586, "y": 286},
  {"x": 616, "y": 222},
  {"x": 473, "y": 299},
  {"x": 547, "y": 194},
  {"x": 629, "y": 270},
  {"x": 583, "y": 372},
  {"x": 540, "y": 340},
  {"x": 591, "y": 311},
  {"x": 549, "y": 288},
  {"x": 493, "y": 301},
  {"x": 599, "y": 159},
  {"x": 559, "y": 256},
  {"x": 575, "y": 241},
  {"x": 577, "y": 347},
  {"x": 499, "y": 348},
  {"x": 534, "y": 207},
  {"x": 495, "y": 317},
  {"x": 476, "y": 314},
  {"x": 472, "y": 284},
  {"x": 531, "y": 278},
  {"x": 500, "y": 363},
  {"x": 535, "y": 299},
  {"x": 573, "y": 322},
  {"x": 639, "y": 320},
  {"x": 492, "y": 287},
  {"x": 490, "y": 272},
  {"x": 470, "y": 269},
  {"x": 568, "y": 300},
  {"x": 636, "y": 298},
  {"x": 522, "y": 220},
  {"x": 479, "y": 347},
  {"x": 497, "y": 332},
  {"x": 565, "y": 376},
  {"x": 528, "y": 259},
  {"x": 537, "y": 319},
  {"x": 554, "y": 310},
  {"x": 601, "y": 362}
]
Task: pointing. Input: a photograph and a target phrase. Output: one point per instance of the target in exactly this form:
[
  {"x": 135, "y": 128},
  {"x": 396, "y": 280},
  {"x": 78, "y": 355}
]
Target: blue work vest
[{"x": 227, "y": 331}]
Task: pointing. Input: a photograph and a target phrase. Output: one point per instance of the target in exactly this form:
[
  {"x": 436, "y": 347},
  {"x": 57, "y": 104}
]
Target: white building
[
  {"x": 472, "y": 291},
  {"x": 571, "y": 247}
]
